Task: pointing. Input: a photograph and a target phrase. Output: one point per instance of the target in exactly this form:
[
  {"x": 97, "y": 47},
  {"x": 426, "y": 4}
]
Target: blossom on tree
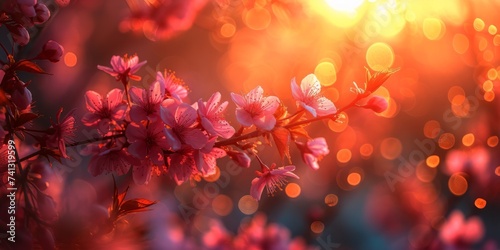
[
  {"x": 271, "y": 178},
  {"x": 62, "y": 132},
  {"x": 256, "y": 109},
  {"x": 124, "y": 68},
  {"x": 182, "y": 122},
  {"x": 212, "y": 116},
  {"x": 147, "y": 102},
  {"x": 174, "y": 87},
  {"x": 313, "y": 151},
  {"x": 147, "y": 142},
  {"x": 103, "y": 112},
  {"x": 308, "y": 97}
]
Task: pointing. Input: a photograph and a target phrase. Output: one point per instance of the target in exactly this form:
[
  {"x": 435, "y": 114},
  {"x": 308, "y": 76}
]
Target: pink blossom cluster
[{"x": 153, "y": 130}]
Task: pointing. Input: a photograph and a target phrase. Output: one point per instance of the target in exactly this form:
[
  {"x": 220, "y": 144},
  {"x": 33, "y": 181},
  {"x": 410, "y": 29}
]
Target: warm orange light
[
  {"x": 344, "y": 155},
  {"x": 366, "y": 150},
  {"x": 348, "y": 6},
  {"x": 480, "y": 203},
  {"x": 227, "y": 30},
  {"x": 331, "y": 200},
  {"x": 460, "y": 43},
  {"x": 478, "y": 24},
  {"x": 433, "y": 28},
  {"x": 492, "y": 141},
  {"x": 214, "y": 177},
  {"x": 457, "y": 184},
  {"x": 468, "y": 139},
  {"x": 391, "y": 148},
  {"x": 248, "y": 205},
  {"x": 432, "y": 161},
  {"x": 70, "y": 59},
  {"x": 325, "y": 71},
  {"x": 257, "y": 18},
  {"x": 354, "y": 179},
  {"x": 292, "y": 190},
  {"x": 380, "y": 56},
  {"x": 432, "y": 129},
  {"x": 317, "y": 227},
  {"x": 222, "y": 205},
  {"x": 489, "y": 96},
  {"x": 446, "y": 141},
  {"x": 497, "y": 171}
]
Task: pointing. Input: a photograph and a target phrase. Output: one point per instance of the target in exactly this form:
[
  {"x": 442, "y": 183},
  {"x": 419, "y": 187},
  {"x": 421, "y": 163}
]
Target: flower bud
[
  {"x": 240, "y": 158},
  {"x": 42, "y": 14},
  {"x": 52, "y": 51},
  {"x": 19, "y": 34},
  {"x": 377, "y": 103},
  {"x": 22, "y": 98}
]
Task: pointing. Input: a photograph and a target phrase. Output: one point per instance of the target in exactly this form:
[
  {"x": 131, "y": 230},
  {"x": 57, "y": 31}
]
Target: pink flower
[
  {"x": 272, "y": 178},
  {"x": 162, "y": 19},
  {"x": 242, "y": 159},
  {"x": 212, "y": 117},
  {"x": 182, "y": 120},
  {"x": 376, "y": 103},
  {"x": 106, "y": 159},
  {"x": 147, "y": 142},
  {"x": 103, "y": 112},
  {"x": 147, "y": 103},
  {"x": 62, "y": 132},
  {"x": 124, "y": 68},
  {"x": 174, "y": 87},
  {"x": 460, "y": 232},
  {"x": 308, "y": 96},
  {"x": 253, "y": 108},
  {"x": 19, "y": 34},
  {"x": 182, "y": 165},
  {"x": 314, "y": 151},
  {"x": 206, "y": 161}
]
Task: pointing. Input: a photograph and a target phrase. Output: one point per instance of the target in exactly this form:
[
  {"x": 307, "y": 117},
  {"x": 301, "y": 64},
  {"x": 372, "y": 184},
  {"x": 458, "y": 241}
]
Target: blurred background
[{"x": 424, "y": 174}]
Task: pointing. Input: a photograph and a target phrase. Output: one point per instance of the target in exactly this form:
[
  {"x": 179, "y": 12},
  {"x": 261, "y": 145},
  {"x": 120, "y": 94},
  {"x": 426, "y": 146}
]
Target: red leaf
[
  {"x": 281, "y": 138},
  {"x": 25, "y": 118},
  {"x": 28, "y": 66},
  {"x": 135, "y": 205}
]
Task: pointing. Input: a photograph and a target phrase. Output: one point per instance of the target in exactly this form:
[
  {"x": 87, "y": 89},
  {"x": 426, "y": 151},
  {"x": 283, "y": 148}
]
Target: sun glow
[{"x": 348, "y": 6}]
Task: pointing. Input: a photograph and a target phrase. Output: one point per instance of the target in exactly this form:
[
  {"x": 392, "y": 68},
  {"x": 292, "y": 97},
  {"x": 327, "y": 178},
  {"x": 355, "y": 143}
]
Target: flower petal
[
  {"x": 244, "y": 117},
  {"x": 114, "y": 98},
  {"x": 142, "y": 174},
  {"x": 257, "y": 188},
  {"x": 238, "y": 100},
  {"x": 265, "y": 122},
  {"x": 93, "y": 101}
]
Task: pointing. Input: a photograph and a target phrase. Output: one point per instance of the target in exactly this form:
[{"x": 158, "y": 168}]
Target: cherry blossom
[
  {"x": 308, "y": 97},
  {"x": 182, "y": 120},
  {"x": 147, "y": 103},
  {"x": 147, "y": 142},
  {"x": 124, "y": 68},
  {"x": 103, "y": 112},
  {"x": 255, "y": 109},
  {"x": 62, "y": 132},
  {"x": 313, "y": 151},
  {"x": 212, "y": 116},
  {"x": 272, "y": 178},
  {"x": 51, "y": 51},
  {"x": 206, "y": 160},
  {"x": 182, "y": 165},
  {"x": 174, "y": 87},
  {"x": 110, "y": 159}
]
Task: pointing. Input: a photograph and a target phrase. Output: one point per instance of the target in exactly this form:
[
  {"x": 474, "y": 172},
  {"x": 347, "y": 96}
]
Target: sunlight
[{"x": 348, "y": 6}]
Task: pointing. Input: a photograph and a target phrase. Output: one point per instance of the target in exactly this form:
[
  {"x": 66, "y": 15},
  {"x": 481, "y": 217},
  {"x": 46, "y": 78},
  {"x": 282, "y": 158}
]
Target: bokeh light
[{"x": 380, "y": 56}]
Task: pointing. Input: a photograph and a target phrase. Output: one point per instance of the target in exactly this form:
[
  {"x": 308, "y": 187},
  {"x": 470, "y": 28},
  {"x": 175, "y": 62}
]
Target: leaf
[
  {"x": 373, "y": 82},
  {"x": 135, "y": 205},
  {"x": 28, "y": 66},
  {"x": 281, "y": 138},
  {"x": 25, "y": 118},
  {"x": 299, "y": 131}
]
